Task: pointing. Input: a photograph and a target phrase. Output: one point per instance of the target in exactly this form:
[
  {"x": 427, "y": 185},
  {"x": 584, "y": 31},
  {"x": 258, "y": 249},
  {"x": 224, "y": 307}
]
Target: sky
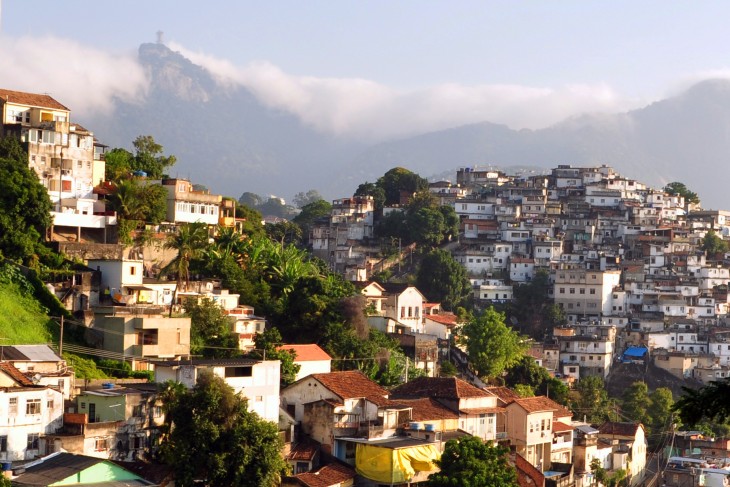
[{"x": 378, "y": 69}]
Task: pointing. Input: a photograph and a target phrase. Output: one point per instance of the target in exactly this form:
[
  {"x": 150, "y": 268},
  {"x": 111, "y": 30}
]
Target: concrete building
[
  {"x": 257, "y": 380},
  {"x": 62, "y": 155},
  {"x": 28, "y": 413}
]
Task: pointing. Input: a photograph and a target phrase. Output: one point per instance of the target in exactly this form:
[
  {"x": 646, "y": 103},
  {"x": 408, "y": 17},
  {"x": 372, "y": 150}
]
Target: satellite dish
[{"x": 36, "y": 378}]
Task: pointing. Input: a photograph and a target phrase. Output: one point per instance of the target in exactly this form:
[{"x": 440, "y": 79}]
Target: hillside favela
[
  {"x": 558, "y": 329},
  {"x": 438, "y": 301}
]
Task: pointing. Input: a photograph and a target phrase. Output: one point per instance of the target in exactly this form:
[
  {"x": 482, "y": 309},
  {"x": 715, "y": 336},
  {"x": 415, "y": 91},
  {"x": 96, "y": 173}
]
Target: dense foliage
[
  {"x": 492, "y": 346},
  {"x": 677, "y": 188},
  {"x": 210, "y": 330},
  {"x": 534, "y": 379},
  {"x": 469, "y": 462},
  {"x": 148, "y": 158},
  {"x": 707, "y": 403},
  {"x": 215, "y": 440},
  {"x": 442, "y": 279},
  {"x": 24, "y": 207}
]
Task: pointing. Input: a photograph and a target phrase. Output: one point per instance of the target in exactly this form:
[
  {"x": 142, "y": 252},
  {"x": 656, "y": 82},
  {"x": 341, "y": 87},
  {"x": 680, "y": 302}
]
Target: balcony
[
  {"x": 73, "y": 219},
  {"x": 346, "y": 424}
]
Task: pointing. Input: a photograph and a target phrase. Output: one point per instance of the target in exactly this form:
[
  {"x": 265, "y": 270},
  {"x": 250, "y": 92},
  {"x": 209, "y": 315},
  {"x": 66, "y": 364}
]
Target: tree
[
  {"x": 24, "y": 207},
  {"x": 592, "y": 400},
  {"x": 303, "y": 199},
  {"x": 118, "y": 164},
  {"x": 400, "y": 179},
  {"x": 189, "y": 242},
  {"x": 284, "y": 232},
  {"x": 706, "y": 403},
  {"x": 214, "y": 439},
  {"x": 532, "y": 308},
  {"x": 527, "y": 372},
  {"x": 659, "y": 414},
  {"x": 252, "y": 200},
  {"x": 635, "y": 404},
  {"x": 149, "y": 158},
  {"x": 469, "y": 462},
  {"x": 210, "y": 330},
  {"x": 372, "y": 189},
  {"x": 713, "y": 244},
  {"x": 492, "y": 347},
  {"x": 679, "y": 189},
  {"x": 608, "y": 480},
  {"x": 310, "y": 213},
  {"x": 442, "y": 279}
]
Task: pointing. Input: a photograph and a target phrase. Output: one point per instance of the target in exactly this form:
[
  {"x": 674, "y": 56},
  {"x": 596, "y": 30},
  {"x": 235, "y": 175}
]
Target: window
[
  {"x": 592, "y": 291},
  {"x": 245, "y": 371},
  {"x": 49, "y": 404},
  {"x": 100, "y": 444},
  {"x": 259, "y": 398},
  {"x": 48, "y": 137},
  {"x": 572, "y": 290},
  {"x": 32, "y": 406},
  {"x": 13, "y": 406},
  {"x": 581, "y": 291},
  {"x": 157, "y": 410},
  {"x": 33, "y": 440}
]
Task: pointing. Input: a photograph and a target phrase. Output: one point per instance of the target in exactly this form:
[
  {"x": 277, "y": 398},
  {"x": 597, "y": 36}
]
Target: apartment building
[{"x": 62, "y": 154}]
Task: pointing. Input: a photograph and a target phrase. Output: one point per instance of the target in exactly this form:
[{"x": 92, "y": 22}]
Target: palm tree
[
  {"x": 126, "y": 202},
  {"x": 189, "y": 242}
]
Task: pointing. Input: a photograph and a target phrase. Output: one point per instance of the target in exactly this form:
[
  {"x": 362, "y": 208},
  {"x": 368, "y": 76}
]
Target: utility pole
[{"x": 60, "y": 340}]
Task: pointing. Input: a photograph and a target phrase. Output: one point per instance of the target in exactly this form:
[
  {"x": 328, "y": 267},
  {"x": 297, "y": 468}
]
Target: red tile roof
[
  {"x": 304, "y": 451},
  {"x": 326, "y": 476},
  {"x": 504, "y": 394},
  {"x": 31, "y": 99},
  {"x": 306, "y": 352},
  {"x": 559, "y": 426},
  {"x": 11, "y": 371},
  {"x": 618, "y": 429},
  {"x": 447, "y": 319},
  {"x": 353, "y": 384},
  {"x": 439, "y": 387},
  {"x": 428, "y": 409},
  {"x": 542, "y": 403}
]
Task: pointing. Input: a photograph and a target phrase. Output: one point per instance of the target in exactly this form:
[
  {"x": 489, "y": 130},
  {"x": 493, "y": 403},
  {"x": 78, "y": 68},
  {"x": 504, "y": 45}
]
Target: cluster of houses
[
  {"x": 623, "y": 260},
  {"x": 336, "y": 425}
]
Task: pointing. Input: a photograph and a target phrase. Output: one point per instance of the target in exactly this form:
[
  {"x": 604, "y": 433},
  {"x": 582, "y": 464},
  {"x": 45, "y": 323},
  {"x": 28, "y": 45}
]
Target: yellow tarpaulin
[{"x": 394, "y": 465}]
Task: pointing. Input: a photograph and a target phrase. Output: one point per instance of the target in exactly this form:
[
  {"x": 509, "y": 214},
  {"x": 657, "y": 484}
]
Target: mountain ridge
[{"x": 226, "y": 139}]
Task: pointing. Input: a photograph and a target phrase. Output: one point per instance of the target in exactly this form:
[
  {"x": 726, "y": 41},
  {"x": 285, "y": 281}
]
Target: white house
[
  {"x": 521, "y": 269},
  {"x": 404, "y": 303},
  {"x": 257, "y": 380},
  {"x": 27, "y": 413}
]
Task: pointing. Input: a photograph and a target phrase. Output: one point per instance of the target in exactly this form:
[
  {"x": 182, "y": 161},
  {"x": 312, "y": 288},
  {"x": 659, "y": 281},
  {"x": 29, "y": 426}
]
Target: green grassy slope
[{"x": 22, "y": 319}]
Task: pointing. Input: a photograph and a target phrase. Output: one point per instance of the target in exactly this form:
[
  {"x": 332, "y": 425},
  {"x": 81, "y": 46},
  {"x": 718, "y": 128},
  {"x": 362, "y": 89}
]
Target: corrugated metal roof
[{"x": 38, "y": 353}]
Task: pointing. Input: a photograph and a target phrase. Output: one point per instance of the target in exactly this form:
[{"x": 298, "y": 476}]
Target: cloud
[
  {"x": 366, "y": 109},
  {"x": 83, "y": 78}
]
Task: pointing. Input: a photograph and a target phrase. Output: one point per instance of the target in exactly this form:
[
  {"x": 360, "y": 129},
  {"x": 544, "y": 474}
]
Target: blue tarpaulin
[{"x": 635, "y": 353}]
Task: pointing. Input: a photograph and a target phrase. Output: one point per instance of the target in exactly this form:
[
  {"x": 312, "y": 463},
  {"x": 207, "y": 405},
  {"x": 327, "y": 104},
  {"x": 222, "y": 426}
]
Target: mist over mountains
[{"x": 226, "y": 139}]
